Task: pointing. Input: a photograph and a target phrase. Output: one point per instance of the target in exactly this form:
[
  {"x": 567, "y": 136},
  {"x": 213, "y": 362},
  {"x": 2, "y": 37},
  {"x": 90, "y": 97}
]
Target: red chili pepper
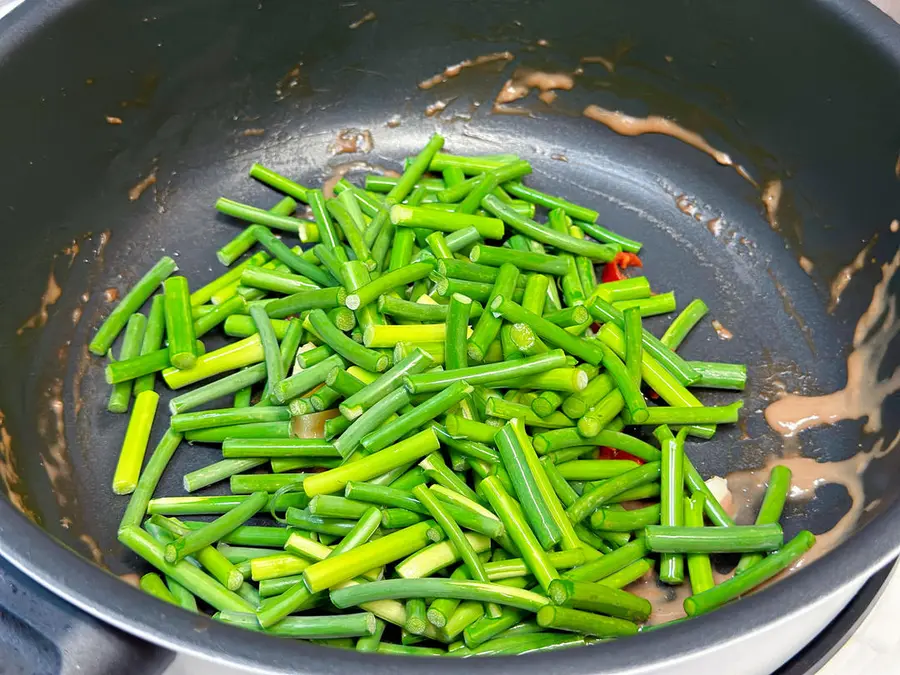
[
  {"x": 604, "y": 452},
  {"x": 623, "y": 260},
  {"x": 611, "y": 272},
  {"x": 626, "y": 260}
]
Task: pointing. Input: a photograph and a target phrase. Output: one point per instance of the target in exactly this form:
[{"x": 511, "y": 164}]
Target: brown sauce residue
[
  {"x": 684, "y": 204},
  {"x": 52, "y": 293},
  {"x": 792, "y": 312},
  {"x": 548, "y": 97},
  {"x": 457, "y": 68},
  {"x": 340, "y": 170},
  {"x": 771, "y": 199},
  {"x": 368, "y": 16},
  {"x": 350, "y": 141},
  {"x": 721, "y": 331},
  {"x": 101, "y": 247},
  {"x": 437, "y": 107},
  {"x": 131, "y": 578},
  {"x": 113, "y": 120},
  {"x": 141, "y": 186},
  {"x": 51, "y": 427},
  {"x": 292, "y": 82},
  {"x": 111, "y": 295},
  {"x": 523, "y": 81},
  {"x": 72, "y": 251},
  {"x": 607, "y": 63},
  {"x": 864, "y": 394},
  {"x": 253, "y": 131},
  {"x": 81, "y": 368},
  {"x": 807, "y": 475},
  {"x": 8, "y": 472},
  {"x": 843, "y": 278},
  {"x": 715, "y": 226},
  {"x": 806, "y": 264},
  {"x": 667, "y": 602},
  {"x": 637, "y": 126},
  {"x": 93, "y": 548}
]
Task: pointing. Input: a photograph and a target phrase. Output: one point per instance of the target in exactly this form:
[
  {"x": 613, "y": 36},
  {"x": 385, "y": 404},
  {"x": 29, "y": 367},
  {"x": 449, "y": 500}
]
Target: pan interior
[{"x": 197, "y": 112}]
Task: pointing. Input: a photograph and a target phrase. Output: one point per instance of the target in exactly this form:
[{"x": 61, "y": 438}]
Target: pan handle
[{"x": 41, "y": 633}]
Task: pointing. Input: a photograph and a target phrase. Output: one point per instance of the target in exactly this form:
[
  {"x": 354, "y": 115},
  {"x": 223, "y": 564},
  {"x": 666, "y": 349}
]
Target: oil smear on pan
[
  {"x": 864, "y": 393},
  {"x": 627, "y": 125},
  {"x": 667, "y": 601},
  {"x": 792, "y": 312}
]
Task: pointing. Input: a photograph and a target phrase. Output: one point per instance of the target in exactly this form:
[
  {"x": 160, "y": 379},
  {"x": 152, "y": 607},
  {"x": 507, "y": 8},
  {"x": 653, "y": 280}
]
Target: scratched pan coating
[{"x": 204, "y": 90}]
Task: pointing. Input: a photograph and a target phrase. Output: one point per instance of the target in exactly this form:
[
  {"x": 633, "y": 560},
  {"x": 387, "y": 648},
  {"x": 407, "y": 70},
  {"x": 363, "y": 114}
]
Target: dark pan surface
[{"x": 771, "y": 85}]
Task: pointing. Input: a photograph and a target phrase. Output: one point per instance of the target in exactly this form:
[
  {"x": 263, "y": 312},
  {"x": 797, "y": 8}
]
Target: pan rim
[
  {"x": 67, "y": 574},
  {"x": 137, "y": 613}
]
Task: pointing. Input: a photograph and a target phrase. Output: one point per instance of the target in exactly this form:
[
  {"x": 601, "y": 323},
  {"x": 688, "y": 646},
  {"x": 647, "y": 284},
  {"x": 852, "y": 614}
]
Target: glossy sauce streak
[
  {"x": 864, "y": 393},
  {"x": 81, "y": 368},
  {"x": 138, "y": 189},
  {"x": 721, "y": 331},
  {"x": 457, "y": 68},
  {"x": 51, "y": 294},
  {"x": 93, "y": 548},
  {"x": 843, "y": 278},
  {"x": 523, "y": 81},
  {"x": 807, "y": 475},
  {"x": 637, "y": 126},
  {"x": 368, "y": 16},
  {"x": 349, "y": 141},
  {"x": 8, "y": 473},
  {"x": 51, "y": 427},
  {"x": 437, "y": 107},
  {"x": 609, "y": 64},
  {"x": 771, "y": 199}
]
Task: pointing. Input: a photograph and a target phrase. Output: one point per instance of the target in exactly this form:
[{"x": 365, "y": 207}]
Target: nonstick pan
[{"x": 805, "y": 93}]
